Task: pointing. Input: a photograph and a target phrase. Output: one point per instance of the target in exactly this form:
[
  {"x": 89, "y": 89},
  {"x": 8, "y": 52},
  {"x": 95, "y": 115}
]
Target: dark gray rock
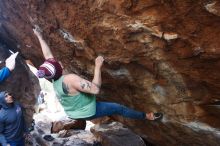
[{"x": 116, "y": 134}]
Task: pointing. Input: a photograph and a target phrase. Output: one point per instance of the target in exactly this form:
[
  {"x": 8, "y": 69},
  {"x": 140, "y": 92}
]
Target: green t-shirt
[{"x": 82, "y": 105}]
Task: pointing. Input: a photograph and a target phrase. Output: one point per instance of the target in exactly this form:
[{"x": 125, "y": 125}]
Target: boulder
[{"x": 116, "y": 134}]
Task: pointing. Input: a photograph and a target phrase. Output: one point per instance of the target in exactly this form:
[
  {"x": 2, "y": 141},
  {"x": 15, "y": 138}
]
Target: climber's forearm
[
  {"x": 97, "y": 80},
  {"x": 45, "y": 48}
]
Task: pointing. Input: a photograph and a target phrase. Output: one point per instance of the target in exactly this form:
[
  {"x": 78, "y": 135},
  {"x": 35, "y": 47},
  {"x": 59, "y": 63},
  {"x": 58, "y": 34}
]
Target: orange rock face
[{"x": 160, "y": 56}]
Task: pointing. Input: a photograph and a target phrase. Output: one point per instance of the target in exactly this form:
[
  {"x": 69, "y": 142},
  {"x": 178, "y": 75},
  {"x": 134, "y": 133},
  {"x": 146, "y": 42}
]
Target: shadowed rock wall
[{"x": 161, "y": 55}]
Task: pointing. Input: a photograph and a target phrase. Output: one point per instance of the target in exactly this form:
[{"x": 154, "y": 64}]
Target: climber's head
[{"x": 50, "y": 69}]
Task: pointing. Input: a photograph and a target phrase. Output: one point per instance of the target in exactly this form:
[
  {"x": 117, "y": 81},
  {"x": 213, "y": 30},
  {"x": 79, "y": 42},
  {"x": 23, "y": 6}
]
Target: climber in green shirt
[{"x": 77, "y": 95}]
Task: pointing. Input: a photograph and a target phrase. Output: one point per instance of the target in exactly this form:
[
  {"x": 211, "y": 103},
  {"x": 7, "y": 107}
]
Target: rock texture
[
  {"x": 116, "y": 134},
  {"x": 42, "y": 136},
  {"x": 161, "y": 55},
  {"x": 105, "y": 134},
  {"x": 57, "y": 126}
]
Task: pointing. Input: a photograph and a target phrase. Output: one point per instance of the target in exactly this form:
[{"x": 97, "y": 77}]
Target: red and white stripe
[{"x": 50, "y": 67}]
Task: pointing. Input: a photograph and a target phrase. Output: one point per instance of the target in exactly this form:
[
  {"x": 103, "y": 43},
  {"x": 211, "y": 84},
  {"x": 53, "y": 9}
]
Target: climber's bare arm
[
  {"x": 97, "y": 79},
  {"x": 45, "y": 48},
  {"x": 72, "y": 84}
]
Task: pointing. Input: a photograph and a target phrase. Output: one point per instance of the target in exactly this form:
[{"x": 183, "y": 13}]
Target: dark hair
[{"x": 8, "y": 93}]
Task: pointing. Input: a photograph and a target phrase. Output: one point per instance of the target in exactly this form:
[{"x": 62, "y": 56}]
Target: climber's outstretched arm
[
  {"x": 45, "y": 48},
  {"x": 97, "y": 79},
  {"x": 72, "y": 83}
]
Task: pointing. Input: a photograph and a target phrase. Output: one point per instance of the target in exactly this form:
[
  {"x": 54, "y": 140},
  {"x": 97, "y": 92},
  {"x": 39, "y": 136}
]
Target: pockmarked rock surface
[
  {"x": 160, "y": 55},
  {"x": 116, "y": 134}
]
